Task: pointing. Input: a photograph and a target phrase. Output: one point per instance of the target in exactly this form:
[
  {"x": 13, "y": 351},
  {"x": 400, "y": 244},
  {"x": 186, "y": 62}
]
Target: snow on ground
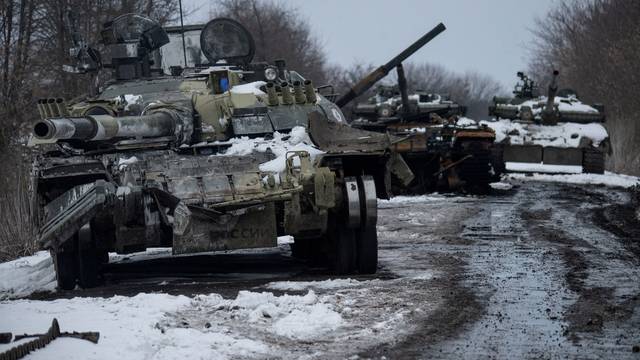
[
  {"x": 607, "y": 179},
  {"x": 130, "y": 327},
  {"x": 501, "y": 185},
  {"x": 26, "y": 275},
  {"x": 543, "y": 168},
  {"x": 435, "y": 197},
  {"x": 330, "y": 284},
  {"x": 208, "y": 326},
  {"x": 296, "y": 140},
  {"x": 563, "y": 135}
]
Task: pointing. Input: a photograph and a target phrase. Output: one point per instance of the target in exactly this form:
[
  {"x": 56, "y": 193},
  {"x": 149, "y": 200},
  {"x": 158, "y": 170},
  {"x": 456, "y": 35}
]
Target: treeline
[{"x": 596, "y": 46}]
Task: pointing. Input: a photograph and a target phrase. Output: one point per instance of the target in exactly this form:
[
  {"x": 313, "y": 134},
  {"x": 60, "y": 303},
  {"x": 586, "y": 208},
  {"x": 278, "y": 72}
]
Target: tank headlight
[{"x": 271, "y": 74}]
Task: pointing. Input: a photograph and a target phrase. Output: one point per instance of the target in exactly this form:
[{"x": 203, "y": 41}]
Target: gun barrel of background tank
[
  {"x": 368, "y": 81},
  {"x": 552, "y": 90},
  {"x": 105, "y": 127}
]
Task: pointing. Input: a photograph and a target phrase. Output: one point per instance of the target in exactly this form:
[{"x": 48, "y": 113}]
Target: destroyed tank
[
  {"x": 386, "y": 106},
  {"x": 222, "y": 155},
  {"x": 557, "y": 129},
  {"x": 443, "y": 150}
]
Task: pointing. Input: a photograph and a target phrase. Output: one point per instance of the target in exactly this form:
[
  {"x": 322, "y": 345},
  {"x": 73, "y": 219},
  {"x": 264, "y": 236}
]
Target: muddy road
[{"x": 541, "y": 270}]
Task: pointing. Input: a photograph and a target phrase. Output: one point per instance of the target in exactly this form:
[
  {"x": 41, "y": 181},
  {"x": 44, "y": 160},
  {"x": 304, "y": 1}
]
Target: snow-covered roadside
[
  {"x": 330, "y": 284},
  {"x": 435, "y": 197},
  {"x": 251, "y": 325},
  {"x": 543, "y": 168},
  {"x": 129, "y": 328},
  {"x": 606, "y": 179},
  {"x": 26, "y": 275}
]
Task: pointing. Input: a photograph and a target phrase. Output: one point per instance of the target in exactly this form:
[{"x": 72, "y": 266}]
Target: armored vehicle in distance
[
  {"x": 219, "y": 156},
  {"x": 557, "y": 129},
  {"x": 387, "y": 106},
  {"x": 443, "y": 150}
]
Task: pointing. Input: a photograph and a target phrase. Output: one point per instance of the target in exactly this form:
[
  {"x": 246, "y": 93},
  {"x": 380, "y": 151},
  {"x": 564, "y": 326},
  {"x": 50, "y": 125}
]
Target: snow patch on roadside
[
  {"x": 292, "y": 316},
  {"x": 330, "y": 284},
  {"x": 607, "y": 179},
  {"x": 543, "y": 168},
  {"x": 26, "y": 275},
  {"x": 501, "y": 186},
  {"x": 420, "y": 199},
  {"x": 158, "y": 326}
]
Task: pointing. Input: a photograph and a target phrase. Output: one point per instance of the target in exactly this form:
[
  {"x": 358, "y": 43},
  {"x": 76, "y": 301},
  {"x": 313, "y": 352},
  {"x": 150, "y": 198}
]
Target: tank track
[
  {"x": 476, "y": 172},
  {"x": 593, "y": 161}
]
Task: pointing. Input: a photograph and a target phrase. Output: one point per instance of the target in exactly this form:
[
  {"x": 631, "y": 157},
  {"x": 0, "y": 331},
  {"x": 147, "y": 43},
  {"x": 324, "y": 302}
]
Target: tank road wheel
[
  {"x": 366, "y": 234},
  {"x": 344, "y": 248},
  {"x": 65, "y": 264},
  {"x": 89, "y": 258},
  {"x": 341, "y": 229},
  {"x": 592, "y": 161}
]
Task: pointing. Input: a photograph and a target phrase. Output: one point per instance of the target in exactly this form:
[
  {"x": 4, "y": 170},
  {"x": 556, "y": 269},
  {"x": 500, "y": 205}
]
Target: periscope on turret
[{"x": 216, "y": 154}]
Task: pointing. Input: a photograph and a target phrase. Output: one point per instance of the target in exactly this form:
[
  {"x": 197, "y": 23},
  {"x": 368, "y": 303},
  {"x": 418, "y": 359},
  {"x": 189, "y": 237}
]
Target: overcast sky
[{"x": 490, "y": 36}]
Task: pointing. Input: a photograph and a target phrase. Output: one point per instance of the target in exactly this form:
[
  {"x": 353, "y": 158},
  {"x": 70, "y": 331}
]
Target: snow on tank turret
[{"x": 557, "y": 129}]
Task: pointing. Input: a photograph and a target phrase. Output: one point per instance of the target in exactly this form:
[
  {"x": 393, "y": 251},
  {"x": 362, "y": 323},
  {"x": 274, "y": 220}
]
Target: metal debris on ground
[{"x": 42, "y": 340}]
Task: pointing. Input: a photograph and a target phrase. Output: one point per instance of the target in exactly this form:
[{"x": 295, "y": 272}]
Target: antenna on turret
[{"x": 184, "y": 46}]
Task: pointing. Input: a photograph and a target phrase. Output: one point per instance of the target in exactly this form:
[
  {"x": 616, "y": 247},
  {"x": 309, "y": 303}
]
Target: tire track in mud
[
  {"x": 621, "y": 221},
  {"x": 458, "y": 305},
  {"x": 595, "y": 305}
]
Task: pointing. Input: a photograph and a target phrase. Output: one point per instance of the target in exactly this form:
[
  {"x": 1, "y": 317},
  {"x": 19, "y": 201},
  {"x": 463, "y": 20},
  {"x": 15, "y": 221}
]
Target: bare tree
[
  {"x": 34, "y": 45},
  {"x": 280, "y": 32}
]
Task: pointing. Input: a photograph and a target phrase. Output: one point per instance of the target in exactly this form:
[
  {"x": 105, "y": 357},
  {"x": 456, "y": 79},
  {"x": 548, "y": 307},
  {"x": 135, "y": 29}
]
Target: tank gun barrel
[
  {"x": 552, "y": 90},
  {"x": 105, "y": 127},
  {"x": 549, "y": 113},
  {"x": 368, "y": 81}
]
